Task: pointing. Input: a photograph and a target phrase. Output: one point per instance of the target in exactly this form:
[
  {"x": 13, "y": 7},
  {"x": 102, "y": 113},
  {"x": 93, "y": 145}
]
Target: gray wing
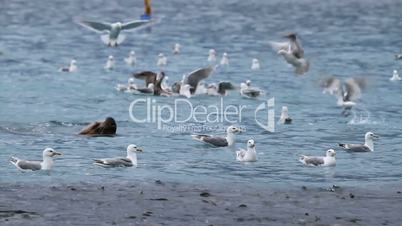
[
  {"x": 194, "y": 77},
  {"x": 29, "y": 165},
  {"x": 147, "y": 76},
  {"x": 358, "y": 148},
  {"x": 330, "y": 84},
  {"x": 216, "y": 141},
  {"x": 296, "y": 49},
  {"x": 223, "y": 86},
  {"x": 352, "y": 89},
  {"x": 114, "y": 162},
  {"x": 313, "y": 160},
  {"x": 96, "y": 26},
  {"x": 279, "y": 46},
  {"x": 134, "y": 24}
]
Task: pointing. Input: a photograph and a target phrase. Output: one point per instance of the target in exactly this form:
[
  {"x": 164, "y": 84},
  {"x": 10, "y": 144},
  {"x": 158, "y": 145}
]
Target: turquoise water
[{"x": 41, "y": 107}]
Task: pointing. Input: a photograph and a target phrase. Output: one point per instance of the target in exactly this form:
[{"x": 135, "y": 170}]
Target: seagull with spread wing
[{"x": 111, "y": 31}]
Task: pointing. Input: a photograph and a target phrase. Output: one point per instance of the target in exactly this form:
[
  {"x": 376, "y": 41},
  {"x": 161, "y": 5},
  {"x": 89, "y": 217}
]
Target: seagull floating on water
[
  {"x": 162, "y": 60},
  {"x": 247, "y": 91},
  {"x": 153, "y": 82},
  {"x": 128, "y": 161},
  {"x": 212, "y": 56},
  {"x": 285, "y": 119},
  {"x": 176, "y": 48},
  {"x": 109, "y": 63},
  {"x": 398, "y": 56},
  {"x": 293, "y": 53},
  {"x": 130, "y": 86},
  {"x": 368, "y": 145},
  {"x": 131, "y": 59},
  {"x": 328, "y": 160},
  {"x": 395, "y": 76},
  {"x": 113, "y": 37},
  {"x": 45, "y": 164},
  {"x": 71, "y": 68},
  {"x": 255, "y": 64},
  {"x": 225, "y": 59},
  {"x": 216, "y": 141},
  {"x": 249, "y": 155}
]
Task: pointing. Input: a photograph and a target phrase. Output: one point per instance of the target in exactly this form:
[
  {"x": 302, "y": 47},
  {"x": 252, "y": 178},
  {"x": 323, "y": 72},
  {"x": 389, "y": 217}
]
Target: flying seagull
[{"x": 111, "y": 31}]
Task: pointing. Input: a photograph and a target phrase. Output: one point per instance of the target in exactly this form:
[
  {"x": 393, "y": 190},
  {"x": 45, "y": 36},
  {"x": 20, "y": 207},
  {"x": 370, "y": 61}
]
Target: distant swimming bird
[
  {"x": 346, "y": 92},
  {"x": 216, "y": 141},
  {"x": 398, "y": 56},
  {"x": 128, "y": 161},
  {"x": 368, "y": 145},
  {"x": 212, "y": 56},
  {"x": 255, "y": 64},
  {"x": 220, "y": 89},
  {"x": 156, "y": 79},
  {"x": 225, "y": 59},
  {"x": 328, "y": 160},
  {"x": 105, "y": 127},
  {"x": 395, "y": 76},
  {"x": 131, "y": 59},
  {"x": 127, "y": 87},
  {"x": 71, "y": 68},
  {"x": 285, "y": 119},
  {"x": 109, "y": 63},
  {"x": 162, "y": 60},
  {"x": 247, "y": 91},
  {"x": 293, "y": 53},
  {"x": 113, "y": 37},
  {"x": 249, "y": 155},
  {"x": 45, "y": 164},
  {"x": 176, "y": 48}
]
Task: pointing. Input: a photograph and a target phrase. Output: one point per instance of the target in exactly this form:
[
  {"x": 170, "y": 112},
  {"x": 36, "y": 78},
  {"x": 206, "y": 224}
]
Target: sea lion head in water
[{"x": 106, "y": 127}]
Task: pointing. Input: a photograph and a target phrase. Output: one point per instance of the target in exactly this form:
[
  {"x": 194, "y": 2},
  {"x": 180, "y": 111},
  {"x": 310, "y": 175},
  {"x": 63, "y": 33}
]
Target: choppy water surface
[{"x": 41, "y": 107}]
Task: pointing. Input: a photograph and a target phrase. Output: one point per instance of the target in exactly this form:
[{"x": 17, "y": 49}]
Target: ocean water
[{"x": 40, "y": 107}]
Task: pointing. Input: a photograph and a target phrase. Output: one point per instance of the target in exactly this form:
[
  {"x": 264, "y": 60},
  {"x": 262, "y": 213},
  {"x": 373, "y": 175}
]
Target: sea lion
[{"x": 106, "y": 127}]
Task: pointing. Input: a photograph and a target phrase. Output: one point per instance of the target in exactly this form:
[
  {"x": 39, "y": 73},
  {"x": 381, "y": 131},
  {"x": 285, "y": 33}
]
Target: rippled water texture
[{"x": 41, "y": 107}]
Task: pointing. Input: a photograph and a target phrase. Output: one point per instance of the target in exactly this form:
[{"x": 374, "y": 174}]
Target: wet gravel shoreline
[{"x": 161, "y": 203}]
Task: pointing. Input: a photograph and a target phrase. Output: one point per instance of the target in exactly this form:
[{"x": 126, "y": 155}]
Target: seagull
[
  {"x": 45, "y": 164},
  {"x": 255, "y": 64},
  {"x": 131, "y": 59},
  {"x": 212, "y": 56},
  {"x": 368, "y": 145},
  {"x": 193, "y": 78},
  {"x": 346, "y": 92},
  {"x": 155, "y": 79},
  {"x": 113, "y": 37},
  {"x": 395, "y": 76},
  {"x": 71, "y": 68},
  {"x": 327, "y": 160},
  {"x": 285, "y": 119},
  {"x": 176, "y": 48},
  {"x": 129, "y": 160},
  {"x": 247, "y": 91},
  {"x": 293, "y": 53},
  {"x": 220, "y": 89},
  {"x": 127, "y": 87},
  {"x": 162, "y": 60},
  {"x": 249, "y": 155},
  {"x": 398, "y": 56},
  {"x": 216, "y": 141},
  {"x": 109, "y": 63},
  {"x": 225, "y": 59}
]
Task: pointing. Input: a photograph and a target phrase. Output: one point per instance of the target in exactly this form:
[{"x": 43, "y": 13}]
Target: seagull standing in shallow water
[
  {"x": 129, "y": 160},
  {"x": 327, "y": 160},
  {"x": 113, "y": 37},
  {"x": 249, "y": 155},
  {"x": 45, "y": 164},
  {"x": 368, "y": 145},
  {"x": 109, "y": 63},
  {"x": 131, "y": 59}
]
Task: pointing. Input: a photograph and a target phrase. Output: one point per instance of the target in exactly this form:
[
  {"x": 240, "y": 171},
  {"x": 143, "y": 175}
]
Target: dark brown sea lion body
[{"x": 106, "y": 127}]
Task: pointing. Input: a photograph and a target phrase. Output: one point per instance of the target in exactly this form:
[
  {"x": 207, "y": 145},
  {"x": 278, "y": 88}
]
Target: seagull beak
[
  {"x": 57, "y": 153},
  {"x": 139, "y": 150},
  {"x": 240, "y": 130},
  {"x": 376, "y": 136},
  {"x": 252, "y": 146}
]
